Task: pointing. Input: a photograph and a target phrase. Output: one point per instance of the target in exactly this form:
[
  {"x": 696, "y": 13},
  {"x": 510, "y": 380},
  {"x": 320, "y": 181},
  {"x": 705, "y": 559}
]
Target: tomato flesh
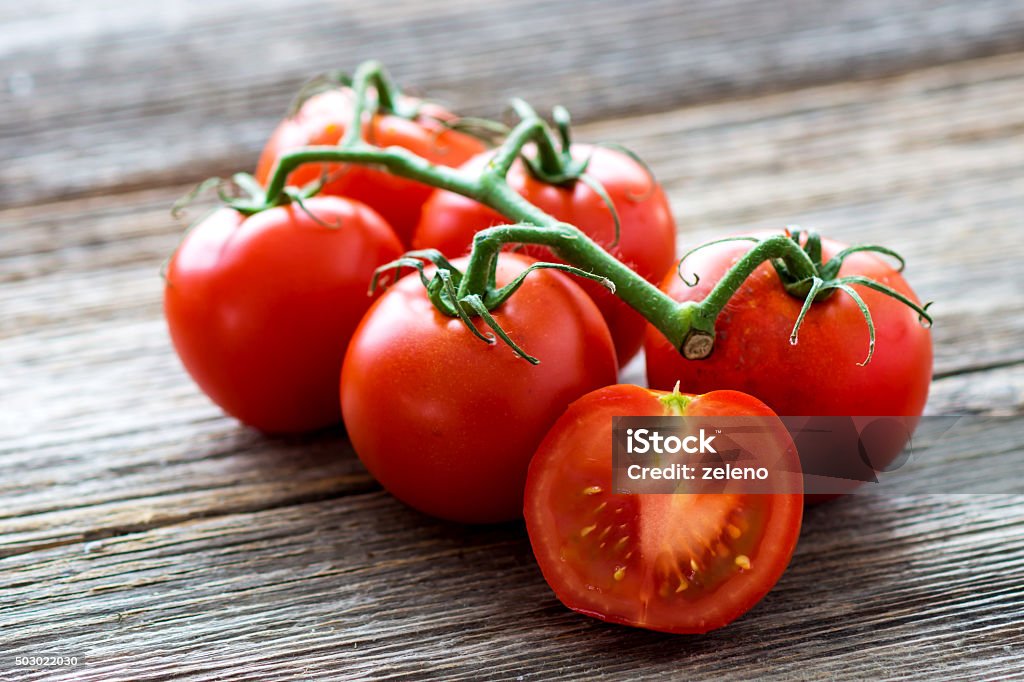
[{"x": 684, "y": 563}]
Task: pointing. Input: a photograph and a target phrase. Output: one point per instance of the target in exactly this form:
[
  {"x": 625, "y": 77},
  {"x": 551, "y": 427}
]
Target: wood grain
[
  {"x": 111, "y": 95},
  {"x": 362, "y": 586},
  {"x": 144, "y": 531}
]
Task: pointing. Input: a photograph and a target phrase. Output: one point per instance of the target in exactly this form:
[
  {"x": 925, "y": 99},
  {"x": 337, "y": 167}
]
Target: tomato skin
[
  {"x": 570, "y": 485},
  {"x": 260, "y": 309},
  {"x": 446, "y": 422},
  {"x": 820, "y": 375},
  {"x": 647, "y": 229},
  {"x": 323, "y": 119}
]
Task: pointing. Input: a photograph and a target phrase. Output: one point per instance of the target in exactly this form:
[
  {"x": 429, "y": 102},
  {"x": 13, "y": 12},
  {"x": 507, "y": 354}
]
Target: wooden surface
[{"x": 146, "y": 533}]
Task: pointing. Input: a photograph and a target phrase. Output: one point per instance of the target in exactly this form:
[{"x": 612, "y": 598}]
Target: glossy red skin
[
  {"x": 647, "y": 232},
  {"x": 323, "y": 119},
  {"x": 261, "y": 309},
  {"x": 818, "y": 376},
  {"x": 575, "y": 457},
  {"x": 446, "y": 422}
]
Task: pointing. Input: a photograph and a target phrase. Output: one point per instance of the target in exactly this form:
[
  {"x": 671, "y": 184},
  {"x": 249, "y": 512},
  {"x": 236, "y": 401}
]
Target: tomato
[
  {"x": 446, "y": 422},
  {"x": 322, "y": 120},
  {"x": 646, "y": 238},
  {"x": 821, "y": 374},
  {"x": 260, "y": 309},
  {"x": 684, "y": 563}
]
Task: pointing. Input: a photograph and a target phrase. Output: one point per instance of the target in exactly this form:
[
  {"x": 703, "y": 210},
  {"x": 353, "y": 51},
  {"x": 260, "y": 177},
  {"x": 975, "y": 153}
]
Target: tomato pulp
[{"x": 684, "y": 563}]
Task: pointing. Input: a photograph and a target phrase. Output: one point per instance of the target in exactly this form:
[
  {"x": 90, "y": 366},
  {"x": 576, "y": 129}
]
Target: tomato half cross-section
[
  {"x": 682, "y": 562},
  {"x": 446, "y": 422}
]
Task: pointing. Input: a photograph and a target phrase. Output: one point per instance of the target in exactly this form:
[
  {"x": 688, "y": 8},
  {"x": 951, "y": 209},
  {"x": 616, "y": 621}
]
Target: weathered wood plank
[
  {"x": 113, "y": 95},
  {"x": 361, "y": 585}
]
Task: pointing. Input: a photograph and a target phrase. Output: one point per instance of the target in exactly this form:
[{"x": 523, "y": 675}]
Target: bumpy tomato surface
[
  {"x": 323, "y": 119},
  {"x": 446, "y": 422},
  {"x": 261, "y": 309},
  {"x": 647, "y": 230},
  {"x": 821, "y": 374},
  {"x": 684, "y": 563}
]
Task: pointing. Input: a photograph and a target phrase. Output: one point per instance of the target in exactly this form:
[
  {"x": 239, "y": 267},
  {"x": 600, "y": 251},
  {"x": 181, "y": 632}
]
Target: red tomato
[
  {"x": 821, "y": 374},
  {"x": 647, "y": 230},
  {"x": 685, "y": 563},
  {"x": 260, "y": 309},
  {"x": 446, "y": 422},
  {"x": 322, "y": 120}
]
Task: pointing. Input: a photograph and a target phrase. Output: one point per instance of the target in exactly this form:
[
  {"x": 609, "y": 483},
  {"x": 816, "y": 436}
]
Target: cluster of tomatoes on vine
[{"x": 465, "y": 308}]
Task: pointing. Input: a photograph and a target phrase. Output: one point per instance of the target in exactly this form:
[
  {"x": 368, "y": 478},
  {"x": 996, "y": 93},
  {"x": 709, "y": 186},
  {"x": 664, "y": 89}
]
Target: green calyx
[
  {"x": 797, "y": 260},
  {"x": 447, "y": 290},
  {"x": 554, "y": 163},
  {"x": 374, "y": 91},
  {"x": 372, "y": 86},
  {"x": 244, "y": 194},
  {"x": 676, "y": 402}
]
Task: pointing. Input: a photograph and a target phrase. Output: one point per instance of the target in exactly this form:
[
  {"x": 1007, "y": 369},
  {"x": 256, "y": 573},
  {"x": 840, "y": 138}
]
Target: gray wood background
[{"x": 148, "y": 534}]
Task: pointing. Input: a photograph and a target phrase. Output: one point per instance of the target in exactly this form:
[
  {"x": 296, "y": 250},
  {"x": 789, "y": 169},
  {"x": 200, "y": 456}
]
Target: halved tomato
[{"x": 683, "y": 563}]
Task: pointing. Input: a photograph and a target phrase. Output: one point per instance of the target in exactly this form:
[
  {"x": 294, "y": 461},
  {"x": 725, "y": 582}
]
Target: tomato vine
[{"x": 689, "y": 326}]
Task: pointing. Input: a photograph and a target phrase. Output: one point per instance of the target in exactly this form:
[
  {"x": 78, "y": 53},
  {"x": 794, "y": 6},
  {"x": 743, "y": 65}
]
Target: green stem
[
  {"x": 689, "y": 326},
  {"x": 396, "y": 159},
  {"x": 529, "y": 129},
  {"x": 796, "y": 261},
  {"x": 674, "y": 320},
  {"x": 371, "y": 73},
  {"x": 677, "y": 321}
]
